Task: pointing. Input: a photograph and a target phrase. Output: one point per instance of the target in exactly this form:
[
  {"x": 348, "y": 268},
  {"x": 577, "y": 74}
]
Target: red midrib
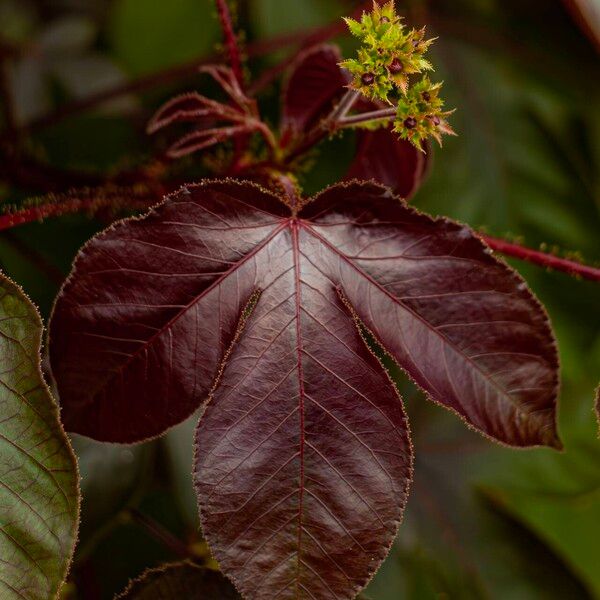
[{"x": 294, "y": 226}]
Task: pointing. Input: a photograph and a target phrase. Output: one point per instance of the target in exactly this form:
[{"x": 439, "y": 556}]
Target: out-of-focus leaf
[
  {"x": 272, "y": 17},
  {"x": 83, "y": 76},
  {"x": 563, "y": 520},
  {"x": 180, "y": 581},
  {"x": 31, "y": 95},
  {"x": 179, "y": 443},
  {"x": 517, "y": 139},
  {"x": 39, "y": 499},
  {"x": 17, "y": 20},
  {"x": 314, "y": 84},
  {"x": 69, "y": 34},
  {"x": 110, "y": 478},
  {"x": 383, "y": 157},
  {"x": 468, "y": 549},
  {"x": 587, "y": 15},
  {"x": 149, "y": 36},
  {"x": 62, "y": 55}
]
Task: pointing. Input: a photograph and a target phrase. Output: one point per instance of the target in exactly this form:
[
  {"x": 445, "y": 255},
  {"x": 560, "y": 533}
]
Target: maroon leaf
[
  {"x": 180, "y": 581},
  {"x": 315, "y": 83},
  {"x": 383, "y": 157},
  {"x": 303, "y": 459},
  {"x": 188, "y": 107},
  {"x": 205, "y": 138},
  {"x": 587, "y": 15}
]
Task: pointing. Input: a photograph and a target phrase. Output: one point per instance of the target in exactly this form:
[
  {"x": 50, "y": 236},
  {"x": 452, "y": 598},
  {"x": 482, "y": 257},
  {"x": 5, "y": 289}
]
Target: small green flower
[
  {"x": 390, "y": 53},
  {"x": 420, "y": 114},
  {"x": 384, "y": 69}
]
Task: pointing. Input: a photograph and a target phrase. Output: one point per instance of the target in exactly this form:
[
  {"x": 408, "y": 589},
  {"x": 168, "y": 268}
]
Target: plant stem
[
  {"x": 383, "y": 114},
  {"x": 44, "y": 211},
  {"x": 230, "y": 41},
  {"x": 160, "y": 533},
  {"x": 542, "y": 259},
  {"x": 343, "y": 108}
]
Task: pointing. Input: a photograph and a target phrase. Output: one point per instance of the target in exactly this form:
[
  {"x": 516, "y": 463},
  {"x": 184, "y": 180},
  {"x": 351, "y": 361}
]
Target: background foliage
[{"x": 483, "y": 521}]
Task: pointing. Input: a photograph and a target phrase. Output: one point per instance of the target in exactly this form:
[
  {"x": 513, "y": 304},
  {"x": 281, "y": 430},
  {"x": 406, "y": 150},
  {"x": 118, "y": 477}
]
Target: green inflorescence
[{"x": 386, "y": 66}]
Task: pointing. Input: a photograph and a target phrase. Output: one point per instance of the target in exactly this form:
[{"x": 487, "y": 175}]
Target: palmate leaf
[
  {"x": 303, "y": 457},
  {"x": 180, "y": 581},
  {"x": 39, "y": 502}
]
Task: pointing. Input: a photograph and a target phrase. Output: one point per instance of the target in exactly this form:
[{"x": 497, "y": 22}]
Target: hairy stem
[
  {"x": 57, "y": 209},
  {"x": 542, "y": 259},
  {"x": 230, "y": 41}
]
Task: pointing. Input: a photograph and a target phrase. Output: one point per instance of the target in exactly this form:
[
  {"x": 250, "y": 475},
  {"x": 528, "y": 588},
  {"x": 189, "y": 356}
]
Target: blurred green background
[{"x": 482, "y": 521}]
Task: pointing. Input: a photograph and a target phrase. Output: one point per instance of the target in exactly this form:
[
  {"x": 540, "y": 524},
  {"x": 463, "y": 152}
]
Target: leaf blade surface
[
  {"x": 39, "y": 503},
  {"x": 303, "y": 458}
]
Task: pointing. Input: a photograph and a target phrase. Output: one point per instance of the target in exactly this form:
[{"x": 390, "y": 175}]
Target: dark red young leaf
[
  {"x": 180, "y": 581},
  {"x": 187, "y": 107},
  {"x": 383, "y": 157},
  {"x": 205, "y": 138},
  {"x": 315, "y": 83},
  {"x": 303, "y": 459}
]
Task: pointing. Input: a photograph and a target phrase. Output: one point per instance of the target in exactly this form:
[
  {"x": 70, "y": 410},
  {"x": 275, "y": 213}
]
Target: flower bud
[
  {"x": 396, "y": 66},
  {"x": 368, "y": 78}
]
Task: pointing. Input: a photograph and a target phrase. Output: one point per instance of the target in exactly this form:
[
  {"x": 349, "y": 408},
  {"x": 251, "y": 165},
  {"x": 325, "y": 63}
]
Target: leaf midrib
[
  {"x": 307, "y": 226},
  {"x": 188, "y": 306}
]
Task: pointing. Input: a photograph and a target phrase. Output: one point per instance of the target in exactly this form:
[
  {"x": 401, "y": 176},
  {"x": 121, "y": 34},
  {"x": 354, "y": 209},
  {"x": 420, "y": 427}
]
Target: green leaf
[
  {"x": 273, "y": 17},
  {"x": 147, "y": 36},
  {"x": 39, "y": 498},
  {"x": 558, "y": 496},
  {"x": 180, "y": 580}
]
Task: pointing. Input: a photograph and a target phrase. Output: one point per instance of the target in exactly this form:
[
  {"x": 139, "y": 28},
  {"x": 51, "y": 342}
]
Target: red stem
[
  {"x": 44, "y": 211},
  {"x": 230, "y": 41},
  {"x": 542, "y": 259}
]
